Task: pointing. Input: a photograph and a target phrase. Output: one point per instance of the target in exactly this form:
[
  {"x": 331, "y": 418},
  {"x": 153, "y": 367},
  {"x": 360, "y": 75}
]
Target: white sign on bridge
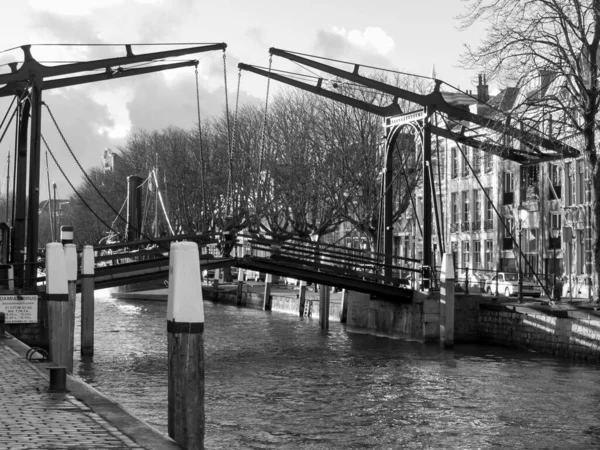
[{"x": 19, "y": 309}]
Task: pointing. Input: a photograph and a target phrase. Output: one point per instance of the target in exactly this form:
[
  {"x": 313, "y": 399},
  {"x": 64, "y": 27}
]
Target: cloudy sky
[{"x": 405, "y": 35}]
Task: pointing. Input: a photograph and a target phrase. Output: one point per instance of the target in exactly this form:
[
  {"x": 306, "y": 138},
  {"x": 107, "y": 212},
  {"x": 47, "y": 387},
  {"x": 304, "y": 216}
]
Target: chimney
[{"x": 483, "y": 94}]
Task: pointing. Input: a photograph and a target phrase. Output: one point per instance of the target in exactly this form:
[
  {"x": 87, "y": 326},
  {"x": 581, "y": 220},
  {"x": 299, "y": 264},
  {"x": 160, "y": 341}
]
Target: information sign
[{"x": 19, "y": 309}]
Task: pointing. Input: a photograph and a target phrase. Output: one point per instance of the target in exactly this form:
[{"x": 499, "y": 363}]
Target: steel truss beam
[{"x": 29, "y": 80}]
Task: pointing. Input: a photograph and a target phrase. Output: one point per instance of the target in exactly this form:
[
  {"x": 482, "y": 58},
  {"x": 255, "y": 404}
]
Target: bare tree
[{"x": 548, "y": 50}]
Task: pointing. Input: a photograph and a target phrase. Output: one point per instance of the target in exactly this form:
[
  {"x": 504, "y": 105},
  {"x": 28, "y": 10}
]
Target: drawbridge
[{"x": 319, "y": 263}]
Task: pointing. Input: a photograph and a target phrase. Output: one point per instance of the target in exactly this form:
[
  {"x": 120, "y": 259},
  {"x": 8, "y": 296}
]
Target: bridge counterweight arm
[
  {"x": 434, "y": 99},
  {"x": 33, "y": 67},
  {"x": 383, "y": 111}
]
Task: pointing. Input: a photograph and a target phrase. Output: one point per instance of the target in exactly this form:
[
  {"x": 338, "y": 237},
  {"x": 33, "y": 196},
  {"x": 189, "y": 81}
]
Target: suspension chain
[
  {"x": 262, "y": 146},
  {"x": 264, "y": 124},
  {"x": 202, "y": 172},
  {"x": 233, "y": 145},
  {"x": 228, "y": 198}
]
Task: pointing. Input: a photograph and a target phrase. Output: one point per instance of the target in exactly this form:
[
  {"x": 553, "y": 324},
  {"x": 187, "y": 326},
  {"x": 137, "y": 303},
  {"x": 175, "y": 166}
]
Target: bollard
[
  {"x": 66, "y": 234},
  {"x": 344, "y": 306},
  {"x": 185, "y": 334},
  {"x": 240, "y": 288},
  {"x": 87, "y": 301},
  {"x": 58, "y": 303},
  {"x": 324, "y": 297},
  {"x": 447, "y": 302},
  {"x": 302, "y": 296},
  {"x": 267, "y": 302},
  {"x": 2, "y": 325},
  {"x": 58, "y": 379}
]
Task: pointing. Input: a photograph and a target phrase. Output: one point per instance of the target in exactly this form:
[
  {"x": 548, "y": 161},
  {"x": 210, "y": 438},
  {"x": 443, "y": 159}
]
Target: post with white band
[
  {"x": 71, "y": 266},
  {"x": 66, "y": 234},
  {"x": 185, "y": 334},
  {"x": 447, "y": 301},
  {"x": 58, "y": 303},
  {"x": 87, "y": 301}
]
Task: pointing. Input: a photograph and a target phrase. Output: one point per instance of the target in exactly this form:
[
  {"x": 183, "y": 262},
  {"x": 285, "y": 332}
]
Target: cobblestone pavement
[{"x": 31, "y": 417}]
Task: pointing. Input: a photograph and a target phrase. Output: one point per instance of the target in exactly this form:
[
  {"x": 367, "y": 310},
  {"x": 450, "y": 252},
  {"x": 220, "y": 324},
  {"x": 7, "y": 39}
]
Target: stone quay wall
[
  {"x": 575, "y": 335},
  {"x": 288, "y": 304}
]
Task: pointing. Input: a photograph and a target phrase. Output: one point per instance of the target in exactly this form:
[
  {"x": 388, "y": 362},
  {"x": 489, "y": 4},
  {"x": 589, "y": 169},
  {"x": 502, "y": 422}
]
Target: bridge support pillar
[
  {"x": 185, "y": 334},
  {"x": 344, "y": 306},
  {"x": 87, "y": 301},
  {"x": 240, "y": 288},
  {"x": 302, "y": 297},
  {"x": 324, "y": 297},
  {"x": 447, "y": 302},
  {"x": 267, "y": 302}
]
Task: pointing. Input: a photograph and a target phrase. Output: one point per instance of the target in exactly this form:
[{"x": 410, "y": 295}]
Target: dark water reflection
[{"x": 278, "y": 381}]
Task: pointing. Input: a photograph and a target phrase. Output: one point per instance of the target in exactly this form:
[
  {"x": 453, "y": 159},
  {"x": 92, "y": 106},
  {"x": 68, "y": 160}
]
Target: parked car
[{"x": 507, "y": 284}]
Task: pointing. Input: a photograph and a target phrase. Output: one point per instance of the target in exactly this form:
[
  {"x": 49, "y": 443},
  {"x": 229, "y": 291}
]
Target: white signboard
[{"x": 19, "y": 309}]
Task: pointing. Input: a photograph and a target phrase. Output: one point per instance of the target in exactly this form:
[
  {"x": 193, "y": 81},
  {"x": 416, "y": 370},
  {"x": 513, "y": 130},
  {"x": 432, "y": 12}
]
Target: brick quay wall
[{"x": 576, "y": 334}]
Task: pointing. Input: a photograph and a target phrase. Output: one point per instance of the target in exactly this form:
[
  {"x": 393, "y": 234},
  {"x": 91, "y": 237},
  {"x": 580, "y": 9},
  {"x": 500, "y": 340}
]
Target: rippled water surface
[{"x": 278, "y": 381}]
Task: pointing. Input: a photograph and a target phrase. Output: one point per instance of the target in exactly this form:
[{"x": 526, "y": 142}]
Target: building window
[
  {"x": 530, "y": 183},
  {"x": 466, "y": 208},
  {"x": 478, "y": 207},
  {"x": 406, "y": 246},
  {"x": 466, "y": 259},
  {"x": 455, "y": 213},
  {"x": 588, "y": 185},
  {"x": 477, "y": 255},
  {"x": 555, "y": 181},
  {"x": 489, "y": 210},
  {"x": 489, "y": 253},
  {"x": 487, "y": 162},
  {"x": 531, "y": 235},
  {"x": 476, "y": 161},
  {"x": 477, "y": 210},
  {"x": 509, "y": 227},
  {"x": 580, "y": 181},
  {"x": 454, "y": 163},
  {"x": 568, "y": 185},
  {"x": 465, "y": 168},
  {"x": 508, "y": 196},
  {"x": 555, "y": 221}
]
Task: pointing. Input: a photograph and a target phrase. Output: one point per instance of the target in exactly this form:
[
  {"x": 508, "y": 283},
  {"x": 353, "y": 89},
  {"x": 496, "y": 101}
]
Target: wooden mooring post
[
  {"x": 185, "y": 334},
  {"x": 58, "y": 304},
  {"x": 87, "y": 301},
  {"x": 447, "y": 302},
  {"x": 302, "y": 297},
  {"x": 344, "y": 306},
  {"x": 267, "y": 298},
  {"x": 324, "y": 300},
  {"x": 240, "y": 288}
]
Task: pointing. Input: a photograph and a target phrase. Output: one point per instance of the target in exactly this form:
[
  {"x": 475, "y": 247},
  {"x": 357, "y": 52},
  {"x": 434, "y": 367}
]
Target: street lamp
[{"x": 520, "y": 214}]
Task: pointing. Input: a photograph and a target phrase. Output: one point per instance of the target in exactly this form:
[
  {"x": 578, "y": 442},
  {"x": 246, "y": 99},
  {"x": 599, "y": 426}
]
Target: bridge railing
[{"x": 327, "y": 257}]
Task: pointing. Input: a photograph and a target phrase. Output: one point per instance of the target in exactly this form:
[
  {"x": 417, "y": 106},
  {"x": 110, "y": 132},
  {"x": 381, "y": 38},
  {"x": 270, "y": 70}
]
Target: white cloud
[
  {"x": 71, "y": 7},
  {"x": 372, "y": 38},
  {"x": 116, "y": 102}
]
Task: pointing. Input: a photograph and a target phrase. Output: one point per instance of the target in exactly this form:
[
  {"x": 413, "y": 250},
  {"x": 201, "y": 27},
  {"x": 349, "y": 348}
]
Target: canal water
[{"x": 276, "y": 381}]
